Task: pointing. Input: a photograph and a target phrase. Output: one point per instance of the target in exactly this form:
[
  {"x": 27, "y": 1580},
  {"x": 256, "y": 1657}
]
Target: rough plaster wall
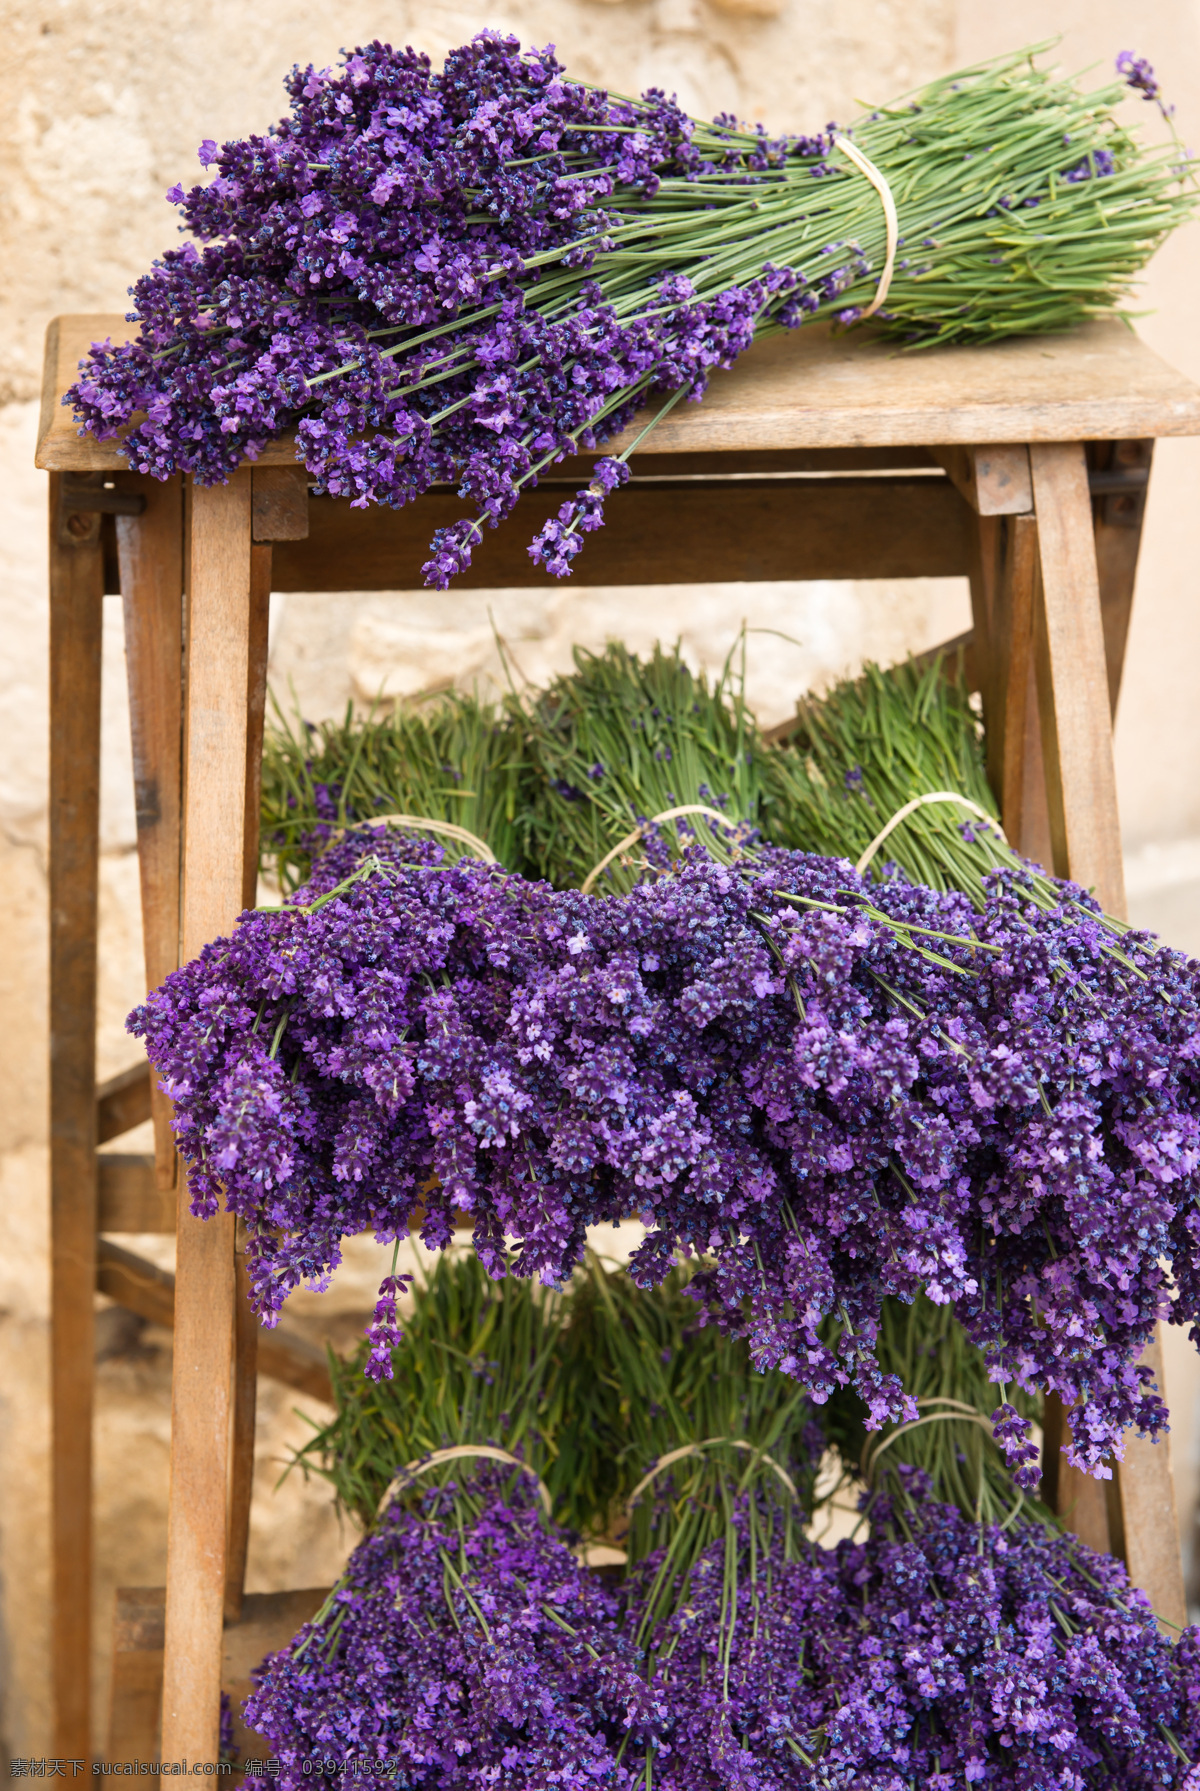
[{"x": 100, "y": 110}]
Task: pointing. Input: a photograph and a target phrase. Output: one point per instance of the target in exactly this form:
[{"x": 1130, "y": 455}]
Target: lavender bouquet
[
  {"x": 464, "y": 1646},
  {"x": 937, "y": 1653},
  {"x": 461, "y": 278},
  {"x": 832, "y": 1091}
]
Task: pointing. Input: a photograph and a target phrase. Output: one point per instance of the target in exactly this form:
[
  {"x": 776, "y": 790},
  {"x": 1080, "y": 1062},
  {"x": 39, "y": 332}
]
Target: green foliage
[{"x": 480, "y": 1362}]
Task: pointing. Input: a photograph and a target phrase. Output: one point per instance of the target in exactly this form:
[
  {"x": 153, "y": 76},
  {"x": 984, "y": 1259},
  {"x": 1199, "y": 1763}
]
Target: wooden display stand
[{"x": 1023, "y": 465}]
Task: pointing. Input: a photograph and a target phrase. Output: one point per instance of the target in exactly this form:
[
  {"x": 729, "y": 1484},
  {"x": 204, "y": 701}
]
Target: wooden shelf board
[{"x": 813, "y": 389}]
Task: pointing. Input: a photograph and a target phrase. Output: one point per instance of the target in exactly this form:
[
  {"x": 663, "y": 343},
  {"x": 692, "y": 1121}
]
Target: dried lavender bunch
[
  {"x": 479, "y": 1361},
  {"x": 621, "y": 740},
  {"x": 454, "y": 758},
  {"x": 463, "y": 277},
  {"x": 832, "y": 1091},
  {"x": 856, "y": 755},
  {"x": 464, "y": 1646},
  {"x": 950, "y": 1440},
  {"x": 937, "y": 1653}
]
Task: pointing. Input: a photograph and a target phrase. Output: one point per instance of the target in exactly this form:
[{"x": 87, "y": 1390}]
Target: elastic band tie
[
  {"x": 959, "y": 1413},
  {"x": 460, "y": 1452},
  {"x": 668, "y": 814},
  {"x": 451, "y": 829},
  {"x": 917, "y": 802},
  {"x": 866, "y": 166},
  {"x": 665, "y": 1461}
]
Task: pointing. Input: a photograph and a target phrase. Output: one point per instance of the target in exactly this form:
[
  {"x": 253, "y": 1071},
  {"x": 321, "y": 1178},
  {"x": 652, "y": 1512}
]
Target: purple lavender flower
[
  {"x": 935, "y": 1653},
  {"x": 831, "y": 1092},
  {"x": 1142, "y": 78},
  {"x": 464, "y": 1646}
]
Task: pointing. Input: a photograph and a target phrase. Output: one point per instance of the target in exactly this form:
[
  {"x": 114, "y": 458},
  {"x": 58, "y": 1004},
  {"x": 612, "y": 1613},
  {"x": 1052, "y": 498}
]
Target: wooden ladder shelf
[{"x": 1023, "y": 465}]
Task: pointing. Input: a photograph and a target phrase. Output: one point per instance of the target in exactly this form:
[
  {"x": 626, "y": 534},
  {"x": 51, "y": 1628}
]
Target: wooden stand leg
[
  {"x": 246, "y": 1326},
  {"x": 1118, "y": 534},
  {"x": 1073, "y": 680},
  {"x": 76, "y": 616},
  {"x": 1137, "y": 1515},
  {"x": 1003, "y": 587},
  {"x": 150, "y": 550},
  {"x": 218, "y": 587}
]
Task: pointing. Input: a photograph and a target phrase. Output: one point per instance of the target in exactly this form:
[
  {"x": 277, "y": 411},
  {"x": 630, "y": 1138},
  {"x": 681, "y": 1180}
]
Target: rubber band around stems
[
  {"x": 450, "y": 828},
  {"x": 917, "y": 802},
  {"x": 668, "y": 814},
  {"x": 674, "y": 1455},
  {"x": 872, "y": 1449},
  {"x": 459, "y": 1452},
  {"x": 879, "y": 181}
]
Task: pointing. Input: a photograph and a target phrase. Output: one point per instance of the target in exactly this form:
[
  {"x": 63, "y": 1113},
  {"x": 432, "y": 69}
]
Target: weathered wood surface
[
  {"x": 150, "y": 557},
  {"x": 656, "y": 532},
  {"x": 218, "y": 628},
  {"x": 122, "y": 1102},
  {"x": 269, "y": 1621},
  {"x": 76, "y": 604},
  {"x": 129, "y": 1197},
  {"x": 279, "y": 510},
  {"x": 1118, "y": 532},
  {"x": 142, "y": 1287},
  {"x": 814, "y": 389},
  {"x": 1015, "y": 575},
  {"x": 246, "y": 1326},
  {"x": 995, "y": 481},
  {"x": 135, "y": 1697},
  {"x": 1076, "y": 717},
  {"x": 1148, "y": 1518}
]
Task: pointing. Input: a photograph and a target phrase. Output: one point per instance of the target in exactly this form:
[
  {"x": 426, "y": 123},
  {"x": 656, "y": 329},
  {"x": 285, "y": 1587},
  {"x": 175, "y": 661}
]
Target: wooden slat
[
  {"x": 656, "y": 533},
  {"x": 1076, "y": 731},
  {"x": 76, "y": 603},
  {"x": 984, "y": 534},
  {"x": 246, "y": 1326},
  {"x": 218, "y": 587},
  {"x": 241, "y": 1467},
  {"x": 1073, "y": 680},
  {"x": 268, "y": 1623},
  {"x": 128, "y": 1195},
  {"x": 150, "y": 552},
  {"x": 1118, "y": 532},
  {"x": 994, "y": 480},
  {"x": 123, "y": 1102},
  {"x": 813, "y": 389},
  {"x": 142, "y": 1287},
  {"x": 1149, "y": 1522},
  {"x": 135, "y": 1700},
  {"x": 280, "y": 503},
  {"x": 133, "y": 1282},
  {"x": 1016, "y": 575}
]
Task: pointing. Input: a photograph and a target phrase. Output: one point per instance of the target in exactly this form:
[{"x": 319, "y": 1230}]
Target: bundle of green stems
[
  {"x": 480, "y": 1364},
  {"x": 621, "y": 740},
  {"x": 451, "y": 758},
  {"x": 951, "y": 1438}
]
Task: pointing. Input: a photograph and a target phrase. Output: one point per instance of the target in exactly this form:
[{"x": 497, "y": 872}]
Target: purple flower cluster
[
  {"x": 935, "y": 1654},
  {"x": 458, "y": 1650},
  {"x": 1142, "y": 78},
  {"x": 401, "y": 266},
  {"x": 831, "y": 1091}
]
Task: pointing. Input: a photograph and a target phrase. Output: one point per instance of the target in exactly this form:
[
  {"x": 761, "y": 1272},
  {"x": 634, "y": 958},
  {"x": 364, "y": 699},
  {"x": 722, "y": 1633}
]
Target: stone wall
[{"x": 101, "y": 107}]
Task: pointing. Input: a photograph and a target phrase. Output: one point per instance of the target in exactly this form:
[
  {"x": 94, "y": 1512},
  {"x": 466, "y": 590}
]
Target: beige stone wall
[{"x": 101, "y": 107}]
